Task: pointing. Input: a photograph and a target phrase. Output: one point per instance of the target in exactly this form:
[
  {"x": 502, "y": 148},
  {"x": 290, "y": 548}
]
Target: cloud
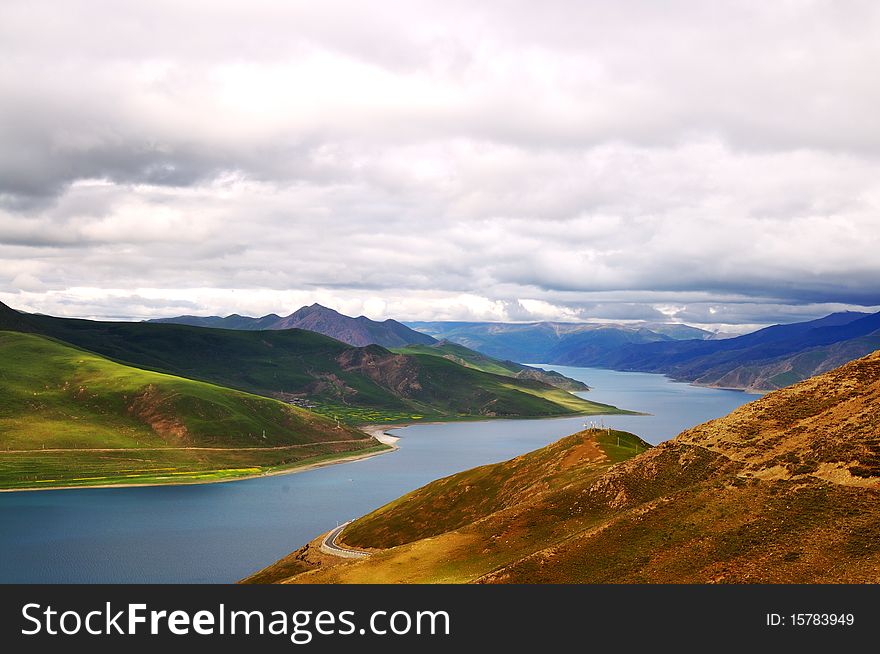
[{"x": 424, "y": 159}]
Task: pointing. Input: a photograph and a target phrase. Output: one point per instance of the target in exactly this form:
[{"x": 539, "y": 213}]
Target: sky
[{"x": 710, "y": 163}]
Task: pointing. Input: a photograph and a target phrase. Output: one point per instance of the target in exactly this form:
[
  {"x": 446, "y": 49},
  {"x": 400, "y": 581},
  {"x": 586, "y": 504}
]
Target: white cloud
[{"x": 441, "y": 159}]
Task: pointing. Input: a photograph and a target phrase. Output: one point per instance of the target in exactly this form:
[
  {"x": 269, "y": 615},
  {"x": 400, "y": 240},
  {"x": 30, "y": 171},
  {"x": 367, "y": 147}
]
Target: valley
[{"x": 763, "y": 360}]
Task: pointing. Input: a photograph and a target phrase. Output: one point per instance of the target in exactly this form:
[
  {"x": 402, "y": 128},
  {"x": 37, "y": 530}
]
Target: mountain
[
  {"x": 233, "y": 321},
  {"x": 358, "y": 331},
  {"x": 473, "y": 359},
  {"x": 785, "y": 489},
  {"x": 766, "y": 359},
  {"x": 355, "y": 384},
  {"x": 69, "y": 418},
  {"x": 13, "y": 320},
  {"x": 550, "y": 342}
]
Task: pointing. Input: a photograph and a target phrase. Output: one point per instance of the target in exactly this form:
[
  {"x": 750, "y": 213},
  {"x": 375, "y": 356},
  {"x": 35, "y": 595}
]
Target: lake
[{"x": 219, "y": 533}]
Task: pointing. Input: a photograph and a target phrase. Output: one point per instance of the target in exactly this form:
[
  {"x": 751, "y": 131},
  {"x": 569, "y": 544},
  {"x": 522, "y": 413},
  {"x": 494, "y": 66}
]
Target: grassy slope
[
  {"x": 55, "y": 397},
  {"x": 260, "y": 362},
  {"x": 357, "y": 384},
  {"x": 446, "y": 530},
  {"x": 783, "y": 490},
  {"x": 473, "y": 359},
  {"x": 463, "y": 390}
]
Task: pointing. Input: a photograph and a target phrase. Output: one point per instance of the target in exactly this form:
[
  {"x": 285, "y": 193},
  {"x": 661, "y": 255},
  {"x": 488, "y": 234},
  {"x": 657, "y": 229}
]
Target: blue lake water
[{"x": 219, "y": 533}]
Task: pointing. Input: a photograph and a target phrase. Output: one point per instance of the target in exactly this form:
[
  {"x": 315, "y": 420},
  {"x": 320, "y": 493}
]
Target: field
[{"x": 20, "y": 470}]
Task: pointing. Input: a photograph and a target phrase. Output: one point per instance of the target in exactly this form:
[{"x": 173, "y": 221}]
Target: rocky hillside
[{"x": 785, "y": 489}]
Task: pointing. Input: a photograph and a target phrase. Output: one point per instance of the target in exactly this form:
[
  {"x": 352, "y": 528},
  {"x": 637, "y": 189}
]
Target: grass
[
  {"x": 458, "y": 500},
  {"x": 63, "y": 412},
  {"x": 477, "y": 361},
  {"x": 354, "y": 415},
  {"x": 461, "y": 527},
  {"x": 464, "y": 356},
  {"x": 173, "y": 466},
  {"x": 267, "y": 363}
]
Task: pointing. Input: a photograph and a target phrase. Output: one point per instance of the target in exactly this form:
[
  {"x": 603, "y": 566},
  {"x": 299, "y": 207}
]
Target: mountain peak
[
  {"x": 316, "y": 317},
  {"x": 358, "y": 331}
]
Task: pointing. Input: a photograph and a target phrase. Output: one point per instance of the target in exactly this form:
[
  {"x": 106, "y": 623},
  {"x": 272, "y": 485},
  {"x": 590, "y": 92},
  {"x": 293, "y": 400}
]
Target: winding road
[{"x": 330, "y": 546}]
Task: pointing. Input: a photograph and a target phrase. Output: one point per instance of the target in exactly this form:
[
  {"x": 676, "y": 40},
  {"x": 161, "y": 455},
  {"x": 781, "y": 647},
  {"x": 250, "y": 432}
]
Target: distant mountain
[
  {"x": 766, "y": 359},
  {"x": 357, "y": 384},
  {"x": 358, "y": 331},
  {"x": 785, "y": 489},
  {"x": 233, "y": 321},
  {"x": 552, "y": 342}
]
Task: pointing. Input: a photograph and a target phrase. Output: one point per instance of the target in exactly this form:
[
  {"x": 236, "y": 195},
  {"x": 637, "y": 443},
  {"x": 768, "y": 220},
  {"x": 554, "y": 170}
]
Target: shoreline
[
  {"x": 750, "y": 390},
  {"x": 379, "y": 433},
  {"x": 376, "y": 431}
]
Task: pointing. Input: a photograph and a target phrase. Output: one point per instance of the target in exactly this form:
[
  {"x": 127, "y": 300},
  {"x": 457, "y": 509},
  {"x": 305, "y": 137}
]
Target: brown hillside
[{"x": 784, "y": 489}]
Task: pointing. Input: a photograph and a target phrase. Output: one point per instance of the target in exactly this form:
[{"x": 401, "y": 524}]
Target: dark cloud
[{"x": 710, "y": 162}]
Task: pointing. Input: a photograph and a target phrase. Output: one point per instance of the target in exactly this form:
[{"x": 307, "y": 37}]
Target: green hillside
[
  {"x": 70, "y": 417},
  {"x": 357, "y": 384},
  {"x": 473, "y": 359}
]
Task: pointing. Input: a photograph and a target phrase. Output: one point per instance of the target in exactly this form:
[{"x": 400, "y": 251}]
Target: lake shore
[
  {"x": 376, "y": 431},
  {"x": 159, "y": 535}
]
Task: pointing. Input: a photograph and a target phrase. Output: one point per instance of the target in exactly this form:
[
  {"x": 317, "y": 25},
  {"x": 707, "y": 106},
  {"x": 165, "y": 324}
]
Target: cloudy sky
[{"x": 712, "y": 163}]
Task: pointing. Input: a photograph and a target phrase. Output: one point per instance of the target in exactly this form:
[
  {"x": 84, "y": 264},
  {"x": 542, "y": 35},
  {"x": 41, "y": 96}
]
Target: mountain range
[
  {"x": 356, "y": 384},
  {"x": 358, "y": 331},
  {"x": 85, "y": 402},
  {"x": 766, "y": 359},
  {"x": 362, "y": 331},
  {"x": 550, "y": 342},
  {"x": 785, "y": 489}
]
